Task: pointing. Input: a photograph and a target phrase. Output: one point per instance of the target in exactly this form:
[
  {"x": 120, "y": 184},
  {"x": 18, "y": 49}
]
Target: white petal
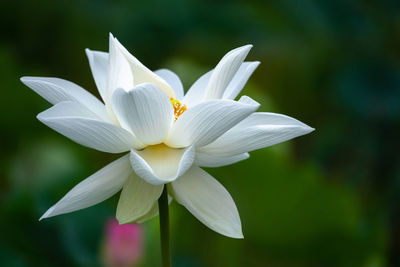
[
  {"x": 161, "y": 164},
  {"x": 56, "y": 90},
  {"x": 224, "y": 72},
  {"x": 208, "y": 201},
  {"x": 206, "y": 160},
  {"x": 98, "y": 62},
  {"x": 205, "y": 122},
  {"x": 137, "y": 199},
  {"x": 120, "y": 73},
  {"x": 257, "y": 131},
  {"x": 142, "y": 74},
  {"x": 196, "y": 92},
  {"x": 248, "y": 100},
  {"x": 145, "y": 110},
  {"x": 173, "y": 80},
  {"x": 269, "y": 118},
  {"x": 240, "y": 79},
  {"x": 82, "y": 126},
  {"x": 94, "y": 189}
]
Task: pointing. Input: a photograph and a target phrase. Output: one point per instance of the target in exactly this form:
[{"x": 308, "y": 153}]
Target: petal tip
[
  {"x": 235, "y": 232},
  {"x": 47, "y": 214},
  {"x": 237, "y": 235},
  {"x": 121, "y": 221},
  {"x": 40, "y": 116},
  {"x": 306, "y": 129},
  {"x": 26, "y": 79},
  {"x": 248, "y": 46},
  {"x": 249, "y": 101},
  {"x": 309, "y": 129},
  {"x": 243, "y": 50}
]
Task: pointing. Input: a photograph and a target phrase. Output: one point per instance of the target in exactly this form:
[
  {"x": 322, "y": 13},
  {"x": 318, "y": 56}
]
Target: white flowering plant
[{"x": 166, "y": 135}]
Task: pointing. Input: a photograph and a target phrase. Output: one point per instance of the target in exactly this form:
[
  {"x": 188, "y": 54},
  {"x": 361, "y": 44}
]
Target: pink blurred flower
[{"x": 123, "y": 244}]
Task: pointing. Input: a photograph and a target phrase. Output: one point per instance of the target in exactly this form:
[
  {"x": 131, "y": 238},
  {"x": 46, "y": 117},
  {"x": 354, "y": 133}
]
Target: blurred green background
[{"x": 329, "y": 198}]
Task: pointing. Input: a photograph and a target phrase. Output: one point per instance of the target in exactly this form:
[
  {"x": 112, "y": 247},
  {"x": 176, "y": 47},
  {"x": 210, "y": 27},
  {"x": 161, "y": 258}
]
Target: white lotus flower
[{"x": 168, "y": 135}]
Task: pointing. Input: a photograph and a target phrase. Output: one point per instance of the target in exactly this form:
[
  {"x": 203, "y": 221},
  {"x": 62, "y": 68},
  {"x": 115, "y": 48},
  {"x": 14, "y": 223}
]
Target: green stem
[{"x": 164, "y": 228}]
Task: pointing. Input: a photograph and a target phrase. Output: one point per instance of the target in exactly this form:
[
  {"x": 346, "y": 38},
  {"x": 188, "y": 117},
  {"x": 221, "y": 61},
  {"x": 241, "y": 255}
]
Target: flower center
[{"x": 179, "y": 107}]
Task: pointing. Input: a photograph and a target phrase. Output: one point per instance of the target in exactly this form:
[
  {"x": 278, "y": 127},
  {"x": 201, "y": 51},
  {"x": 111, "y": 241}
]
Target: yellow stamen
[{"x": 179, "y": 107}]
